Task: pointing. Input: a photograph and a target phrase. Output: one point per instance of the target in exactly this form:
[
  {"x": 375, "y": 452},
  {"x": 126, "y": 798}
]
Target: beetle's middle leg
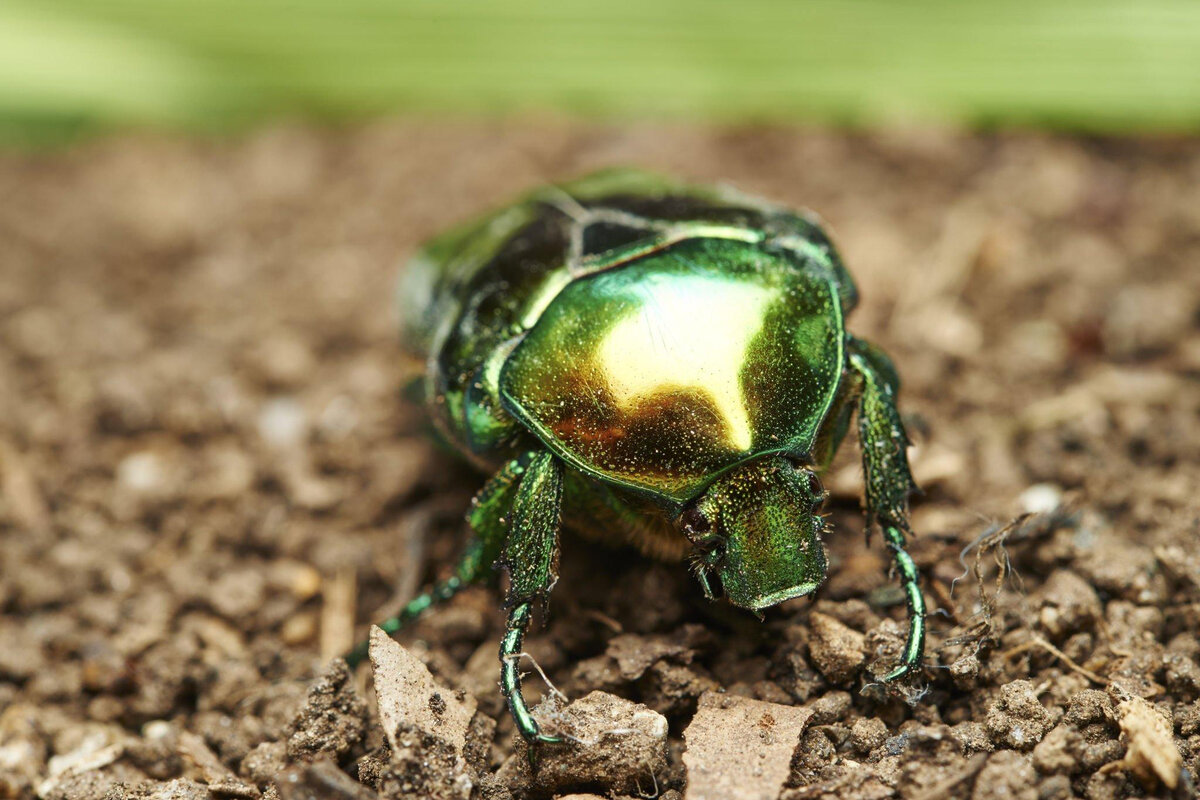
[
  {"x": 487, "y": 520},
  {"x": 888, "y": 483}
]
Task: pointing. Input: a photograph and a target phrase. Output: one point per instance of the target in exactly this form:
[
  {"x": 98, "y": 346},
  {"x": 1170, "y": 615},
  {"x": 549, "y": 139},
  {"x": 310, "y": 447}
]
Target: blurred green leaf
[{"x": 1098, "y": 64}]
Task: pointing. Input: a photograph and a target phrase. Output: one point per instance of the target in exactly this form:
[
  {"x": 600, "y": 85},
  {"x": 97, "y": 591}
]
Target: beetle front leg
[
  {"x": 487, "y": 521},
  {"x": 510, "y": 674},
  {"x": 889, "y": 483},
  {"x": 531, "y": 557},
  {"x": 914, "y": 646}
]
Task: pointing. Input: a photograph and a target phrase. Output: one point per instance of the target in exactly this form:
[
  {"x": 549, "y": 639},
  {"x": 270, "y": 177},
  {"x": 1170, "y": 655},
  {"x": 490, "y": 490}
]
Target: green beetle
[{"x": 658, "y": 364}]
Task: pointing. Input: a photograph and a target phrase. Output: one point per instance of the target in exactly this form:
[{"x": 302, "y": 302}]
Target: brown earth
[{"x": 209, "y": 475}]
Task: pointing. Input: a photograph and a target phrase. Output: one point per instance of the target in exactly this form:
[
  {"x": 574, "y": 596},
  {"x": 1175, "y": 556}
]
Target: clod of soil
[
  {"x": 607, "y": 742},
  {"x": 428, "y": 727},
  {"x": 1017, "y": 719},
  {"x": 1006, "y": 776},
  {"x": 1069, "y": 604},
  {"x": 836, "y": 650},
  {"x": 332, "y": 722},
  {"x": 319, "y": 780},
  {"x": 741, "y": 749}
]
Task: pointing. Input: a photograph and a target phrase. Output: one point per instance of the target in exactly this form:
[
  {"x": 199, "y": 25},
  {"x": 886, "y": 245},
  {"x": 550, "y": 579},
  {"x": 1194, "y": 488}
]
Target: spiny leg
[
  {"x": 486, "y": 519},
  {"x": 531, "y": 557},
  {"x": 438, "y": 593},
  {"x": 914, "y": 646},
  {"x": 889, "y": 483},
  {"x": 510, "y": 673}
]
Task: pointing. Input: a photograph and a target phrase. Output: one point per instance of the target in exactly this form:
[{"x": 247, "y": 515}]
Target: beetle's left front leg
[
  {"x": 888, "y": 482},
  {"x": 531, "y": 557},
  {"x": 487, "y": 521}
]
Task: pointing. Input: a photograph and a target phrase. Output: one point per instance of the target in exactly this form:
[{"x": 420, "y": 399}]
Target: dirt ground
[{"x": 210, "y": 483}]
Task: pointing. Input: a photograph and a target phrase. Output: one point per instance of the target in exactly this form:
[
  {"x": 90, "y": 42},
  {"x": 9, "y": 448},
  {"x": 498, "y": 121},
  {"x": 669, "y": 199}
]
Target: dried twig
[{"x": 1039, "y": 641}]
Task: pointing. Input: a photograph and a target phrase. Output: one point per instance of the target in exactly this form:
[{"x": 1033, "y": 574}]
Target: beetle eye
[
  {"x": 693, "y": 521},
  {"x": 817, "y": 491}
]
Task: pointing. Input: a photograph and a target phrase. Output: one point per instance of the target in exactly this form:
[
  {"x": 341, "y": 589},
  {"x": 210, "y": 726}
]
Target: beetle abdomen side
[{"x": 607, "y": 515}]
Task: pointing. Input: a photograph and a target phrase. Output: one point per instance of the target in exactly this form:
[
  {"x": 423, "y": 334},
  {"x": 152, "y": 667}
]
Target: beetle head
[{"x": 758, "y": 529}]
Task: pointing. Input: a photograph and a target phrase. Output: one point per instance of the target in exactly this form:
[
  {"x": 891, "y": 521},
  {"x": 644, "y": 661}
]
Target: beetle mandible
[{"x": 661, "y": 364}]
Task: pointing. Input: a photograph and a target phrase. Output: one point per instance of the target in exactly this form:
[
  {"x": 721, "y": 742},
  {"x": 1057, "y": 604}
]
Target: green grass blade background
[{"x": 1086, "y": 64}]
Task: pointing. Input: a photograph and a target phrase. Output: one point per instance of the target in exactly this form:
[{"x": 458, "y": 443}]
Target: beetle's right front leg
[
  {"x": 888, "y": 484},
  {"x": 531, "y": 557}
]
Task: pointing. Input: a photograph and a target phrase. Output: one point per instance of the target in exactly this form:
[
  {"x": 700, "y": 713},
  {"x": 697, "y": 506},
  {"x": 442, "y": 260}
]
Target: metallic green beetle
[{"x": 657, "y": 364}]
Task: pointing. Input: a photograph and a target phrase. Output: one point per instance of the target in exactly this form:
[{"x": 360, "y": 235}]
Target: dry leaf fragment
[{"x": 1151, "y": 752}]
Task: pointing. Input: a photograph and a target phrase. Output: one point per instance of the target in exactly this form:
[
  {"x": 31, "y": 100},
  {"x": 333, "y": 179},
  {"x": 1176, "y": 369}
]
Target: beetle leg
[
  {"x": 510, "y": 675},
  {"x": 914, "y": 646},
  {"x": 487, "y": 520},
  {"x": 531, "y": 557},
  {"x": 889, "y": 483}
]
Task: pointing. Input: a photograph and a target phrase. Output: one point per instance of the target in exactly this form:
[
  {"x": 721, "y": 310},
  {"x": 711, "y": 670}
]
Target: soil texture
[{"x": 211, "y": 482}]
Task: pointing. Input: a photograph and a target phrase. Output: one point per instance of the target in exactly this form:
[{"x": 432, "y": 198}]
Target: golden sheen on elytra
[{"x": 659, "y": 374}]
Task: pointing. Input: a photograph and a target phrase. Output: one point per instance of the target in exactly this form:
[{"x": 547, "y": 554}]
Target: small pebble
[
  {"x": 142, "y": 472},
  {"x": 1041, "y": 498},
  {"x": 283, "y": 423}
]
